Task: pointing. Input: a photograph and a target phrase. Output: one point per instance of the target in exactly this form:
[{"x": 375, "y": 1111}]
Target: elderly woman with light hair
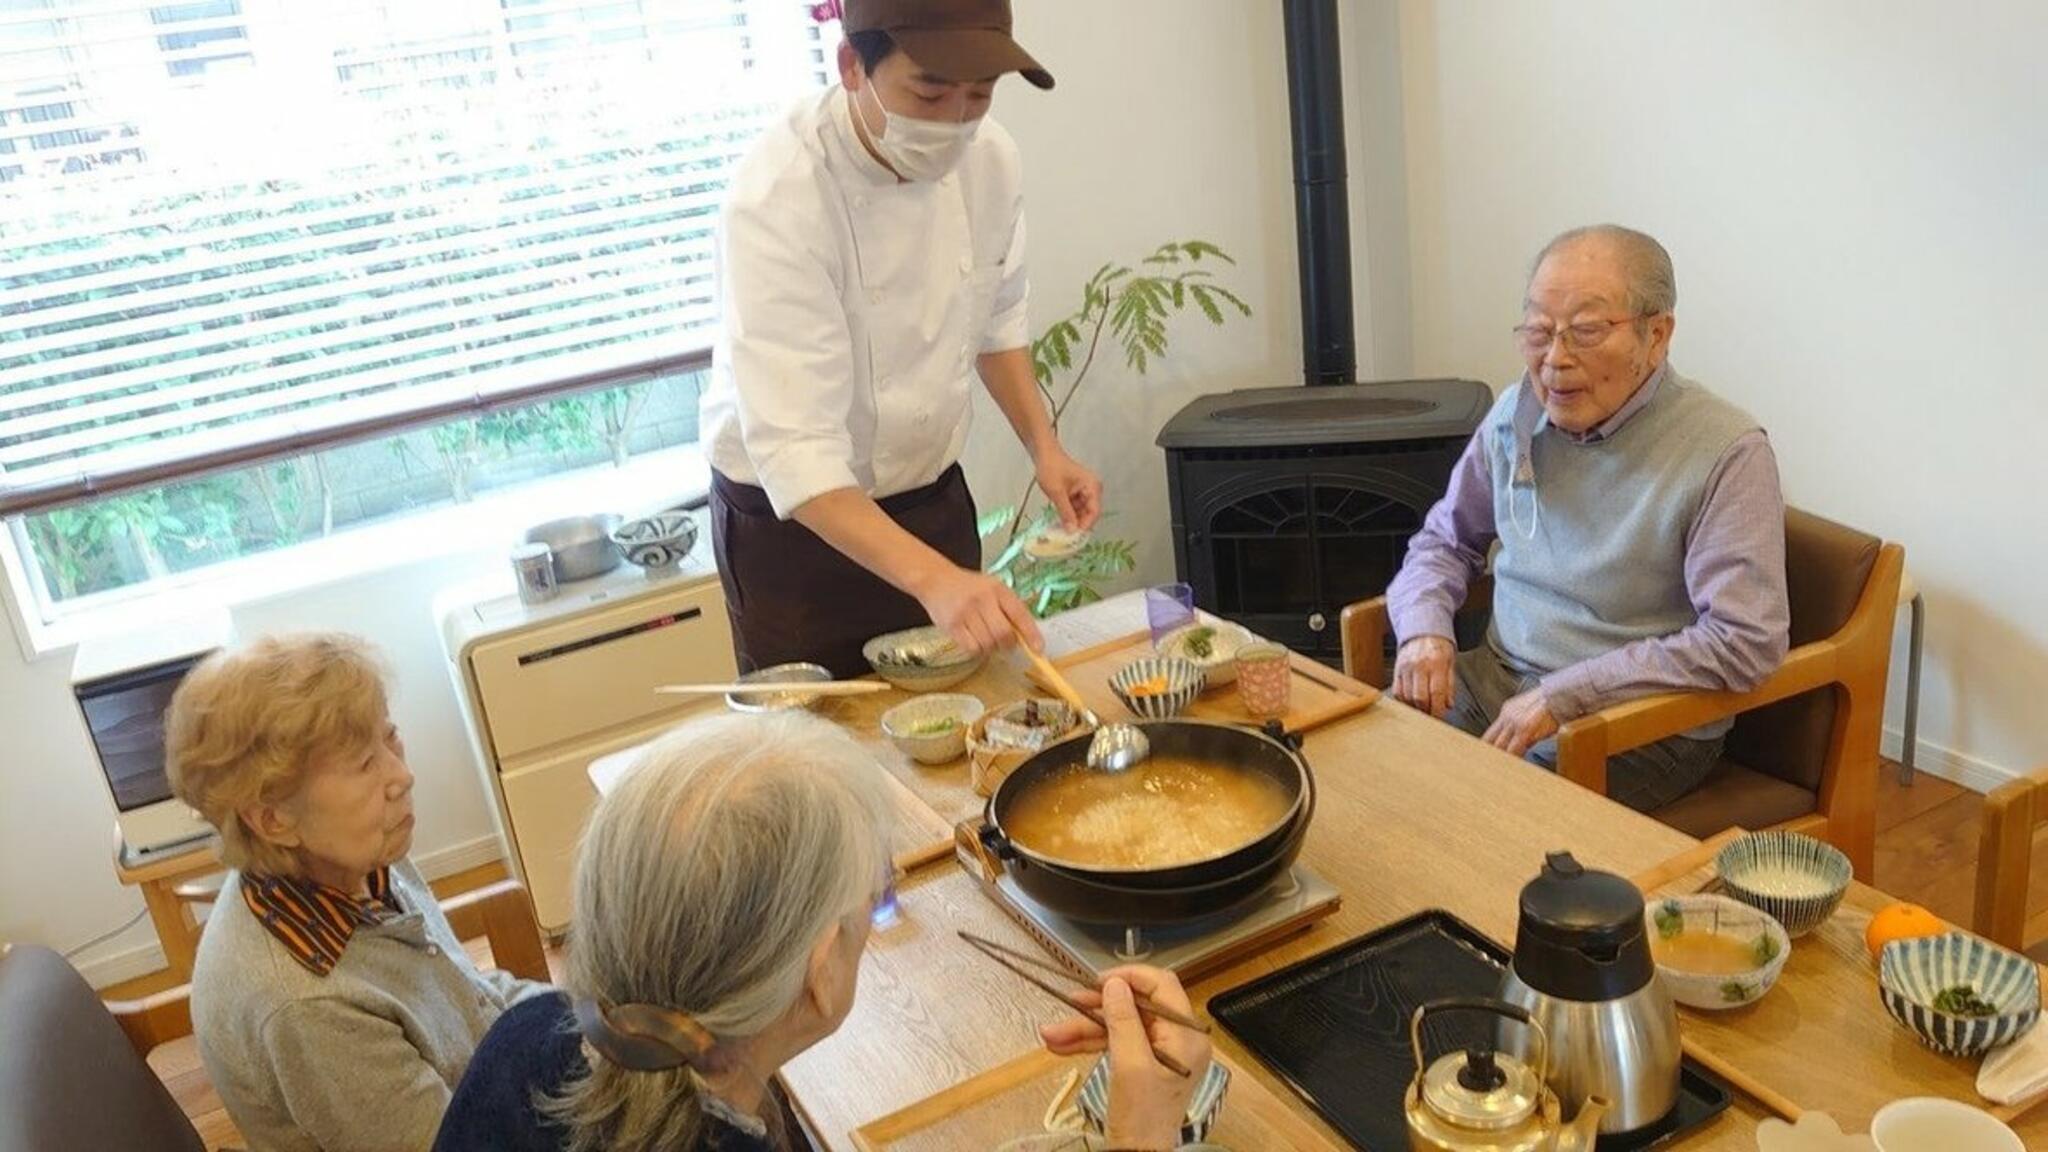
[
  {"x": 724, "y": 894},
  {"x": 334, "y": 1007}
]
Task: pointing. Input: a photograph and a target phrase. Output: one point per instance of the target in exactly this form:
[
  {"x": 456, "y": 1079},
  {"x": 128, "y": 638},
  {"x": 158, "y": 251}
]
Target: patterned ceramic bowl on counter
[{"x": 657, "y": 543}]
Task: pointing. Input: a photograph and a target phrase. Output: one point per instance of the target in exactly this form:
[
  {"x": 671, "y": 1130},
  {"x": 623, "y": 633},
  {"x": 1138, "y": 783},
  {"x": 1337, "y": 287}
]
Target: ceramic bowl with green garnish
[
  {"x": 1210, "y": 645},
  {"x": 1959, "y": 994},
  {"x": 932, "y": 729},
  {"x": 1713, "y": 952}
]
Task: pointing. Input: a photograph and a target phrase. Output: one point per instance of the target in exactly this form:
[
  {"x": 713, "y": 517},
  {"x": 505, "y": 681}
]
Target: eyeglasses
[{"x": 1535, "y": 339}]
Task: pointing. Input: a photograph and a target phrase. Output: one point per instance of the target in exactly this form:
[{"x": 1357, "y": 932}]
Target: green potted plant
[{"x": 1133, "y": 306}]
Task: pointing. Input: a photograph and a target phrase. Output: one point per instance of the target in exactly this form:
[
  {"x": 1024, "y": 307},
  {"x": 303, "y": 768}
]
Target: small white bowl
[
  {"x": 1718, "y": 916},
  {"x": 1219, "y": 667},
  {"x": 1937, "y": 1123},
  {"x": 942, "y": 745}
]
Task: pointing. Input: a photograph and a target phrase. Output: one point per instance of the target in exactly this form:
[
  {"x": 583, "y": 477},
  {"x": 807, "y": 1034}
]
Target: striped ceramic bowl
[
  {"x": 1203, "y": 1107},
  {"x": 1913, "y": 974},
  {"x": 1182, "y": 678},
  {"x": 1797, "y": 879}
]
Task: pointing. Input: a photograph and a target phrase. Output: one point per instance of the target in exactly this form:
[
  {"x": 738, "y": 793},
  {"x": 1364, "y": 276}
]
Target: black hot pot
[{"x": 1165, "y": 895}]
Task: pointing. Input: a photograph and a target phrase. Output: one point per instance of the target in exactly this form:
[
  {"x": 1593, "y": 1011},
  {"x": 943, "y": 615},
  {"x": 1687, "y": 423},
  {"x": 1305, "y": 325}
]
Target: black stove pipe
[{"x": 1322, "y": 219}]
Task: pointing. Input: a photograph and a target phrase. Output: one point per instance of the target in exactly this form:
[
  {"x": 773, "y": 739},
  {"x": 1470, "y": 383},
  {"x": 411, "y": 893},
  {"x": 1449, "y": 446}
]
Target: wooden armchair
[
  {"x": 2005, "y": 860},
  {"x": 1804, "y": 750}
]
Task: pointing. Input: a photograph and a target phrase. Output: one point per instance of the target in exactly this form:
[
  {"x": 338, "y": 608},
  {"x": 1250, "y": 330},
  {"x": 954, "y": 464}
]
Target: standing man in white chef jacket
[{"x": 871, "y": 262}]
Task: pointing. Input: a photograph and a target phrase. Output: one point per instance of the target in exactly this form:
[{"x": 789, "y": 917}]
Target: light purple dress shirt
[{"x": 1739, "y": 638}]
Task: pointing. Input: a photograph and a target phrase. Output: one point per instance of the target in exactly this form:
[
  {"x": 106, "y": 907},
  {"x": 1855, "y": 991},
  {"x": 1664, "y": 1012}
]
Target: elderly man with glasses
[{"x": 1640, "y": 524}]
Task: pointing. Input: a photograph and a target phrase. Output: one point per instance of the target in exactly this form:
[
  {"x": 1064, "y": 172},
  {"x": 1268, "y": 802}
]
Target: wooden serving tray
[
  {"x": 1820, "y": 1039},
  {"x": 921, "y": 835},
  {"x": 1320, "y": 694},
  {"x": 1011, "y": 1100}
]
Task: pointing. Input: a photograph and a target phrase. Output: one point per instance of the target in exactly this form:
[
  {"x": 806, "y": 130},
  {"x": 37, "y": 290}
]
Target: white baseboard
[
  {"x": 1949, "y": 764},
  {"x": 143, "y": 959},
  {"x": 460, "y": 857},
  {"x": 127, "y": 964}
]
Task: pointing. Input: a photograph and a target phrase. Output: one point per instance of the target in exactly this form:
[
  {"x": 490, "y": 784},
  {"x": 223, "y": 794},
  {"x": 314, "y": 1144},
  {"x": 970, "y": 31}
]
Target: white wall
[
  {"x": 57, "y": 884},
  {"x": 1169, "y": 122},
  {"x": 1856, "y": 198}
]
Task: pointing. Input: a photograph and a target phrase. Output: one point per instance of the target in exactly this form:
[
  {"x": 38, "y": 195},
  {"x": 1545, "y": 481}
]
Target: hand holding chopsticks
[{"x": 1145, "y": 1005}]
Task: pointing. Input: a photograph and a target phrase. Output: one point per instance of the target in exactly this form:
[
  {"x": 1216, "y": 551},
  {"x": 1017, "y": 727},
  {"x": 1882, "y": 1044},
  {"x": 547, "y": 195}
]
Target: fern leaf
[
  {"x": 991, "y": 522},
  {"x": 1243, "y": 308}
]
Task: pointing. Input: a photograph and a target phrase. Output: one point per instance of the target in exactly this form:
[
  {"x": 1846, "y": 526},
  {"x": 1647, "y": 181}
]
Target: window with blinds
[{"x": 235, "y": 230}]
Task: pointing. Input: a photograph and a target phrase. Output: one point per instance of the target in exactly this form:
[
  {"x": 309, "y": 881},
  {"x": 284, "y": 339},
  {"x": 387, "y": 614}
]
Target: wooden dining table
[{"x": 1412, "y": 815}]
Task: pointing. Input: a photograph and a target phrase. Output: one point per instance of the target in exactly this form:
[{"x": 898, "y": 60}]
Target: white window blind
[{"x": 229, "y": 227}]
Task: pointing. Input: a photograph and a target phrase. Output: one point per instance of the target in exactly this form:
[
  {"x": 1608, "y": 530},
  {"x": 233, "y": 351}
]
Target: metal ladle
[{"x": 1116, "y": 747}]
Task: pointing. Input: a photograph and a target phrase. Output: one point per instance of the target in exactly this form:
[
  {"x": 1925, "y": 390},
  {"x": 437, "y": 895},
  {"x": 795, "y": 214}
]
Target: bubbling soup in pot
[{"x": 1167, "y": 811}]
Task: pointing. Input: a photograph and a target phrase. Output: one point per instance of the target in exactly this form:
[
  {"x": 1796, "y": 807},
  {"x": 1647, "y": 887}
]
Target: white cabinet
[{"x": 547, "y": 689}]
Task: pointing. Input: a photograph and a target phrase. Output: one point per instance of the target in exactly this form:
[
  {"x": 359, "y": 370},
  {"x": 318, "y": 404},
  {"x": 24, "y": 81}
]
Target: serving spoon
[
  {"x": 1114, "y": 747},
  {"x": 1117, "y": 747}
]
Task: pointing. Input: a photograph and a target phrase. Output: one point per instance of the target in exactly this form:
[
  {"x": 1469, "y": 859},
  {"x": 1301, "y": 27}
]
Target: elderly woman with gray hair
[{"x": 723, "y": 899}]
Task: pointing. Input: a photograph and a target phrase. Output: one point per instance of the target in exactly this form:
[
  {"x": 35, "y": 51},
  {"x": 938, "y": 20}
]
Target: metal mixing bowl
[{"x": 582, "y": 545}]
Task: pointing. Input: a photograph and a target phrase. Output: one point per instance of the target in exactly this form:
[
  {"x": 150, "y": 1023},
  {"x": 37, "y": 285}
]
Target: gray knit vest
[{"x": 1593, "y": 535}]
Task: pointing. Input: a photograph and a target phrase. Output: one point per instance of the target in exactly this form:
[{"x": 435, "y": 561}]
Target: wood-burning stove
[{"x": 1289, "y": 503}]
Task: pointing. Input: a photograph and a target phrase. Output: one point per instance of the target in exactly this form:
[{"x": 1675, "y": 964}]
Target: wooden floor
[{"x": 1926, "y": 853}]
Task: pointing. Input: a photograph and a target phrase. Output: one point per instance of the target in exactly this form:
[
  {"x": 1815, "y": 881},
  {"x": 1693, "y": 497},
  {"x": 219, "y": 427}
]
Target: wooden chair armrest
[
  {"x": 1363, "y": 628},
  {"x": 1365, "y": 625},
  {"x": 2004, "y": 857},
  {"x": 154, "y": 1020},
  {"x": 502, "y": 914},
  {"x": 1585, "y": 744},
  {"x": 205, "y": 890}
]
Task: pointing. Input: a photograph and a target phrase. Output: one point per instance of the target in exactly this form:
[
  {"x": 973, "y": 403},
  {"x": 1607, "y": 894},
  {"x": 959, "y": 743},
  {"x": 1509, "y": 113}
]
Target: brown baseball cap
[{"x": 956, "y": 39}]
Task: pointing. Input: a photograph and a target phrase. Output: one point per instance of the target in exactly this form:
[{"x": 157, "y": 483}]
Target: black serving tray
[{"x": 1335, "y": 1027}]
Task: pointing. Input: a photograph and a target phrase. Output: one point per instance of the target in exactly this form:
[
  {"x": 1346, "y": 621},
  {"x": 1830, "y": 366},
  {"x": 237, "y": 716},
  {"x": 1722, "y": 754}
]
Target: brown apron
[{"x": 791, "y": 596}]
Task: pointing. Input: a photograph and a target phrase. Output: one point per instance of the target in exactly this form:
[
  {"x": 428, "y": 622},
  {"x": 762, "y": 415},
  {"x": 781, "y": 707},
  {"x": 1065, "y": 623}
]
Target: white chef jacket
[{"x": 854, "y": 307}]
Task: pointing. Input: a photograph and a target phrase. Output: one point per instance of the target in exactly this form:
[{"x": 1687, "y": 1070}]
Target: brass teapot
[{"x": 1480, "y": 1100}]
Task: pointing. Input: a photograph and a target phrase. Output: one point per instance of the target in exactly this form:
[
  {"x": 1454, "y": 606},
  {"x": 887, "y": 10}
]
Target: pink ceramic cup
[{"x": 1265, "y": 680}]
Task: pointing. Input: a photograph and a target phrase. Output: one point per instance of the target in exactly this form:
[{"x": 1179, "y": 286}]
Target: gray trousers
[{"x": 1644, "y": 778}]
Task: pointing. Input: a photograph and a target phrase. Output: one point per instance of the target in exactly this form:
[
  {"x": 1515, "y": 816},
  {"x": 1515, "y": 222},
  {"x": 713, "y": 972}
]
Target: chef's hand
[
  {"x": 1523, "y": 721},
  {"x": 1147, "y": 1100},
  {"x": 1422, "y": 674},
  {"x": 978, "y": 611},
  {"x": 1074, "y": 490}
]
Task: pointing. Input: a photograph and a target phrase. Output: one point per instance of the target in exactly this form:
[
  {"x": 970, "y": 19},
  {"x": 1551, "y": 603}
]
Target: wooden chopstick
[
  {"x": 1050, "y": 673},
  {"x": 815, "y": 687},
  {"x": 1164, "y": 1058},
  {"x": 1145, "y": 1003},
  {"x": 1691, "y": 860}
]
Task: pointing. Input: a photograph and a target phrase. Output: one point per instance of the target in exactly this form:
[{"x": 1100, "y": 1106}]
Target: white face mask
[{"x": 920, "y": 149}]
